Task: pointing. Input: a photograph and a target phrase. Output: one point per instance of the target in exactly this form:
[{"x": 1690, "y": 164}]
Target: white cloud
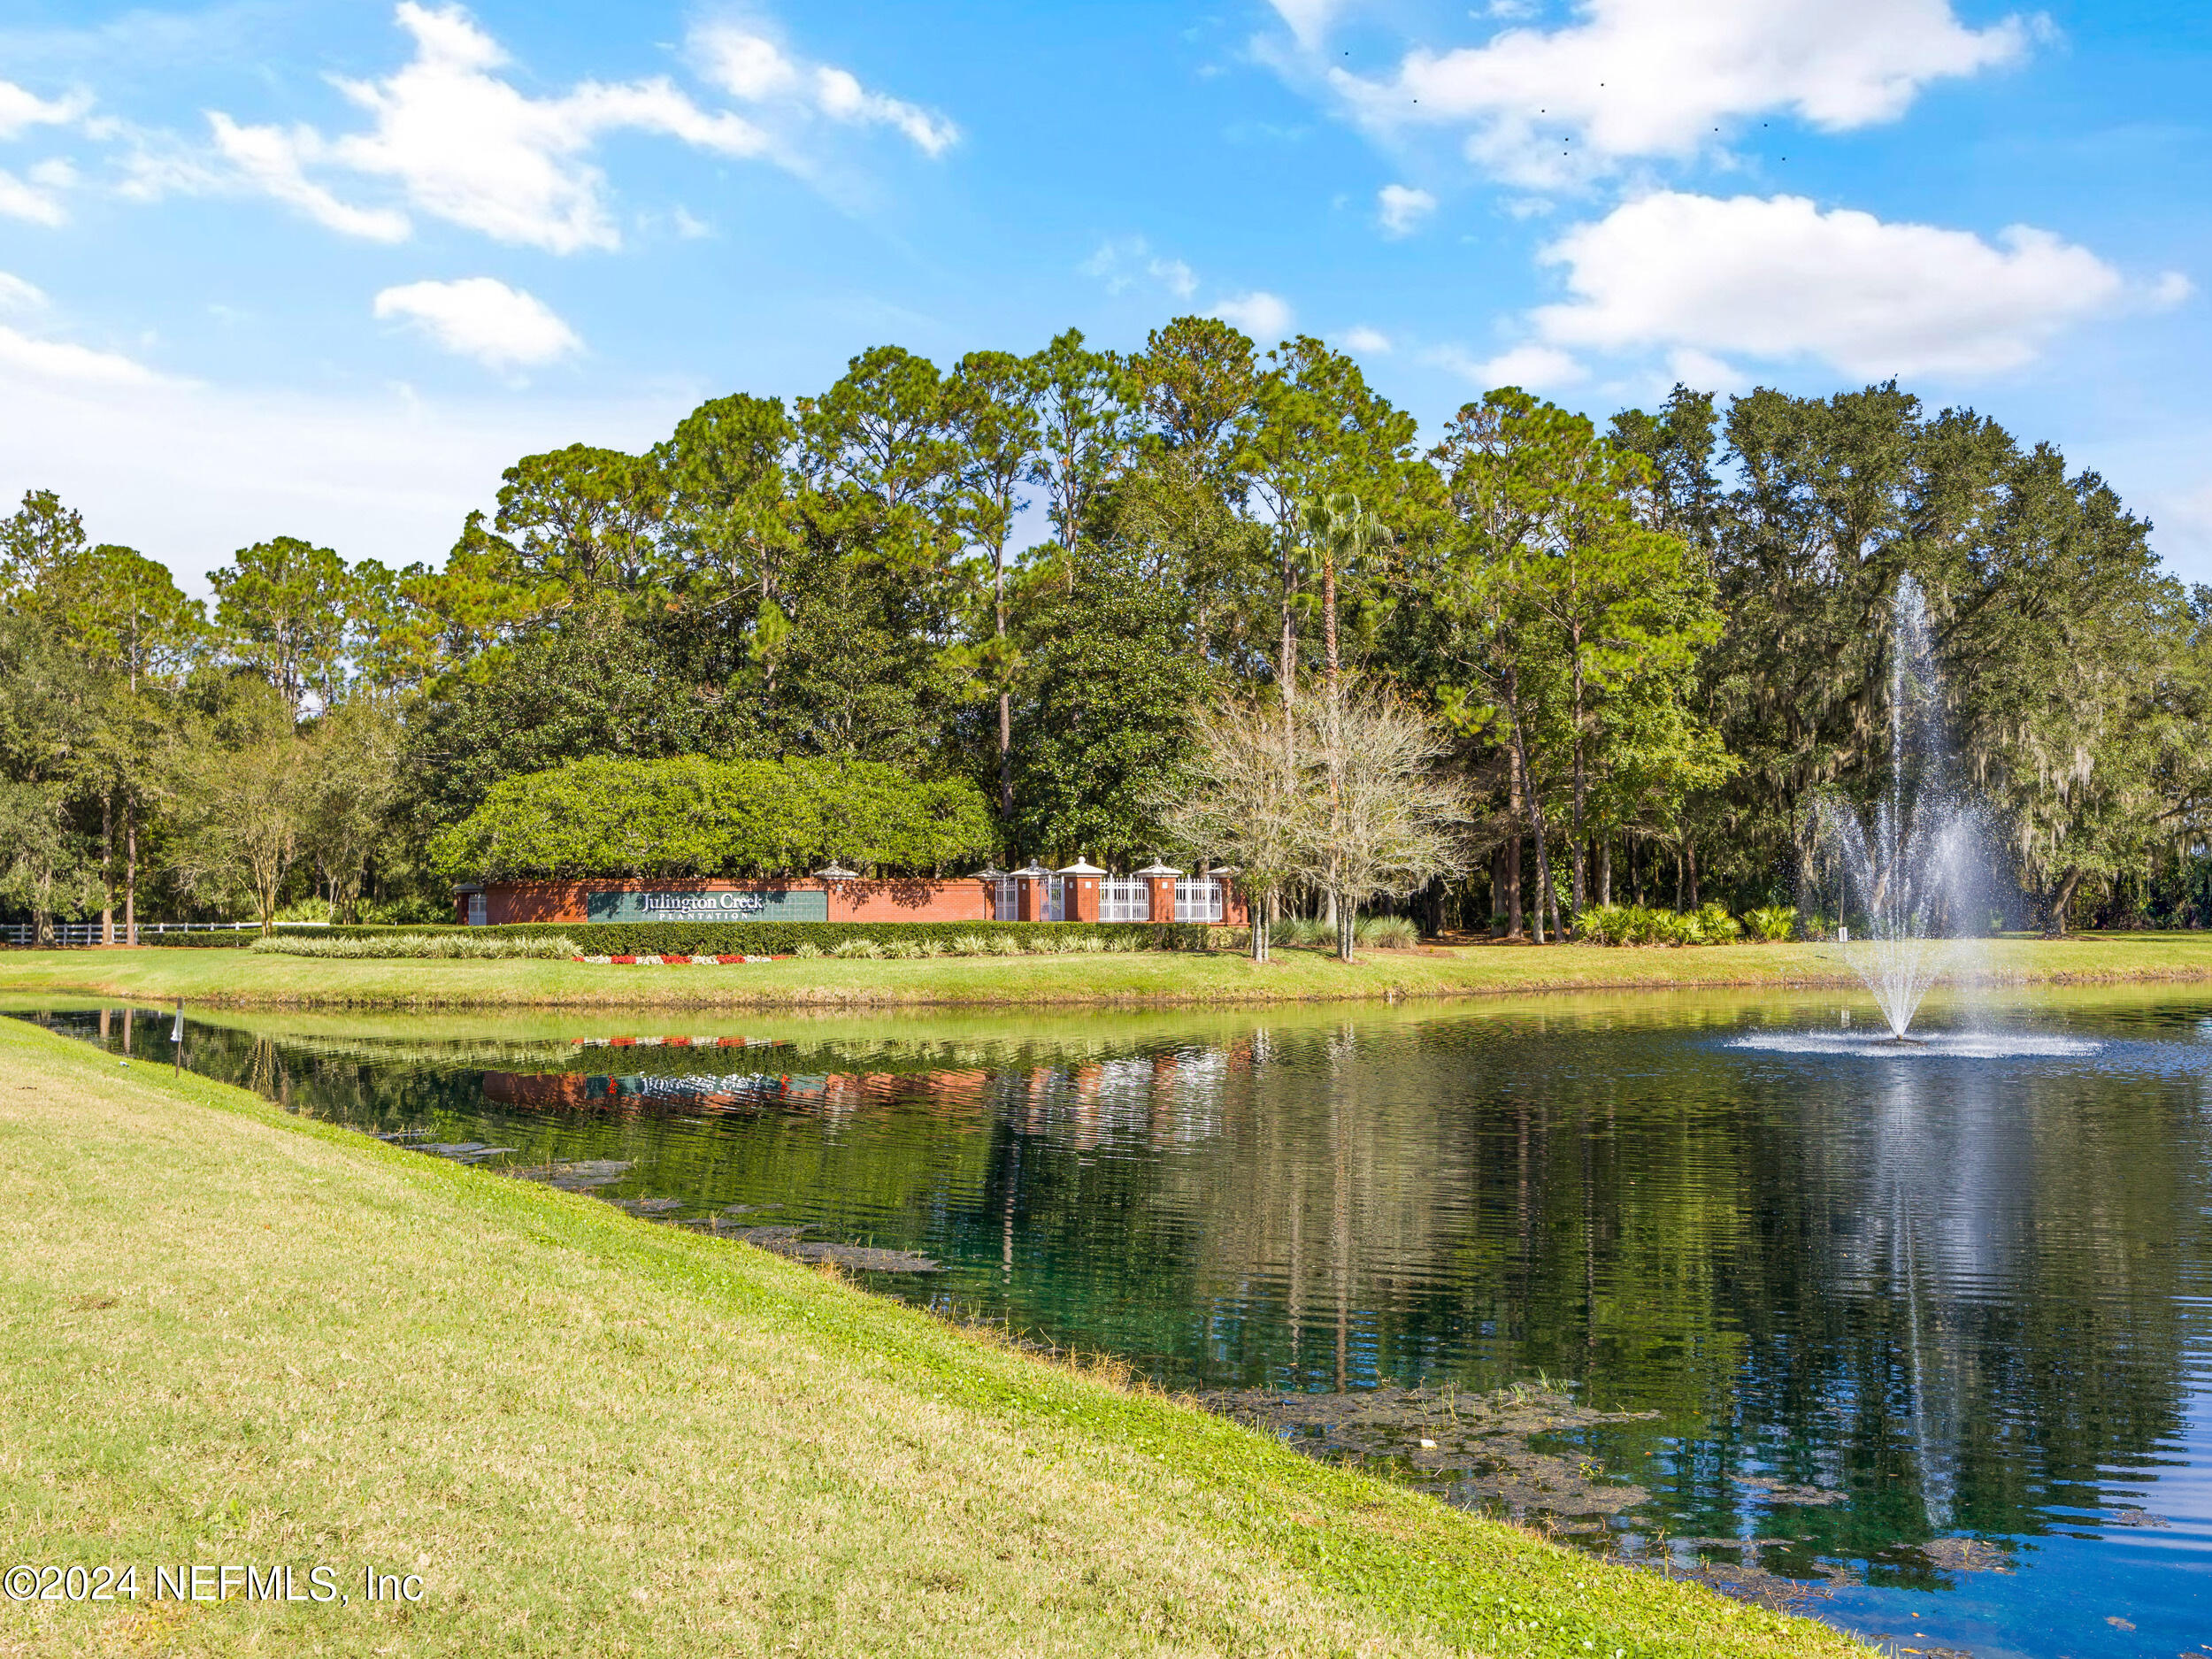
[
  {"x": 21, "y": 110},
  {"x": 746, "y": 65},
  {"x": 480, "y": 318},
  {"x": 1533, "y": 368},
  {"x": 1780, "y": 279},
  {"x": 1122, "y": 262},
  {"x": 34, "y": 360},
  {"x": 154, "y": 164},
  {"x": 51, "y": 363},
  {"x": 273, "y": 161},
  {"x": 1172, "y": 274},
  {"x": 1646, "y": 78},
  {"x": 842, "y": 98},
  {"x": 2172, "y": 288},
  {"x": 752, "y": 67},
  {"x": 20, "y": 198},
  {"x": 1702, "y": 372},
  {"x": 1402, "y": 208},
  {"x": 16, "y": 294},
  {"x": 1362, "y": 338},
  {"x": 462, "y": 145},
  {"x": 1309, "y": 19},
  {"x": 1265, "y": 317}
]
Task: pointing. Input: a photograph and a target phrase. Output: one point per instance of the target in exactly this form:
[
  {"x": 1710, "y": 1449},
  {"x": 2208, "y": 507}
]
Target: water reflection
[{"x": 1910, "y": 1321}]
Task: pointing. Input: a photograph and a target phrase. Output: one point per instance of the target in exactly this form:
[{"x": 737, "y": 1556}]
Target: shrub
[
  {"x": 1771, "y": 924},
  {"x": 779, "y": 938},
  {"x": 694, "y": 816},
  {"x": 865, "y": 950},
  {"x": 1714, "y": 926},
  {"x": 1388, "y": 933},
  {"x": 475, "y": 946},
  {"x": 1607, "y": 924},
  {"x": 783, "y": 939},
  {"x": 228, "y": 940},
  {"x": 1635, "y": 925}
]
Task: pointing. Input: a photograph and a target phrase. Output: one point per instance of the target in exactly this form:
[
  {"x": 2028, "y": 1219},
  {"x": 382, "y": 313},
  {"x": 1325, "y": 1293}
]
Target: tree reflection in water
[{"x": 1955, "y": 1291}]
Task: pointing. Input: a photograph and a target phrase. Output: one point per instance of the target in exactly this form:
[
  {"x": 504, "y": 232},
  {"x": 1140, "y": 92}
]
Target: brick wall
[{"x": 894, "y": 899}]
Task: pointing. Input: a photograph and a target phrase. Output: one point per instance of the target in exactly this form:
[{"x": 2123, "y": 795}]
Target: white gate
[
  {"x": 1125, "y": 899},
  {"x": 1006, "y": 899},
  {"x": 1198, "y": 898}
]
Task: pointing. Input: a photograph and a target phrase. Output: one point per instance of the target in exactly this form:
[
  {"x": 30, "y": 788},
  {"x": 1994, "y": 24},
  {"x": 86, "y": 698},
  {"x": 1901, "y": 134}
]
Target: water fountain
[{"x": 1909, "y": 866}]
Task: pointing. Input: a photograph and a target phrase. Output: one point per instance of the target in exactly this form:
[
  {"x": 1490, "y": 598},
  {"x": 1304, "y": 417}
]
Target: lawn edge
[
  {"x": 1382, "y": 979},
  {"x": 1374, "y": 1546}
]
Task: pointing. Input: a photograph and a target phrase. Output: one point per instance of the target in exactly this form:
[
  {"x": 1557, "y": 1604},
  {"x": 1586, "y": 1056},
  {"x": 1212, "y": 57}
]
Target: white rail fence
[{"x": 88, "y": 932}]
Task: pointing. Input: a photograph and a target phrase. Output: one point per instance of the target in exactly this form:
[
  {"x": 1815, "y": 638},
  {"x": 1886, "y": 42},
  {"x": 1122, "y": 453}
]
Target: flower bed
[{"x": 674, "y": 962}]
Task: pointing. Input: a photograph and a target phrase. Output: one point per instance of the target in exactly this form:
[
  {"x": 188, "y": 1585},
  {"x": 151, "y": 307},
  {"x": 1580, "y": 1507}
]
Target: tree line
[{"x": 1615, "y": 662}]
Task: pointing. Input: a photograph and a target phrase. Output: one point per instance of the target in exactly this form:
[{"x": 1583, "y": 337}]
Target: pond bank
[
  {"x": 237, "y": 979},
  {"x": 235, "y": 1336}
]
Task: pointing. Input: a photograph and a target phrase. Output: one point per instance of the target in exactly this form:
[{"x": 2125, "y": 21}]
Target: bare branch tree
[
  {"x": 1395, "y": 820},
  {"x": 1344, "y": 794},
  {"x": 1244, "y": 799}
]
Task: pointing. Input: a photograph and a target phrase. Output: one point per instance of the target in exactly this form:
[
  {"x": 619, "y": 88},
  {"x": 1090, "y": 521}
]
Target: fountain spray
[{"x": 1906, "y": 866}]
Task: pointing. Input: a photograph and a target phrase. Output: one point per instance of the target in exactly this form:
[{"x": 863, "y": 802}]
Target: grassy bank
[
  {"x": 239, "y": 978},
  {"x": 233, "y": 1337}
]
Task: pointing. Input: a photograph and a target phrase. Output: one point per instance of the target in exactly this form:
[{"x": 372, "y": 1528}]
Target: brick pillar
[
  {"x": 1085, "y": 897},
  {"x": 1163, "y": 897},
  {"x": 1233, "y": 911},
  {"x": 1036, "y": 899}
]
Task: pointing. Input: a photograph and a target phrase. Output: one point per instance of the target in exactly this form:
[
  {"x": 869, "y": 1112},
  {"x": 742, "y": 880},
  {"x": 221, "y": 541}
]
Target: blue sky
[{"x": 322, "y": 270}]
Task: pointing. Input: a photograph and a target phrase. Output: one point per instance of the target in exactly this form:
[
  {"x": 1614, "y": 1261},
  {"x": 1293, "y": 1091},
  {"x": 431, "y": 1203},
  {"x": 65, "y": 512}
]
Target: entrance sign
[{"x": 751, "y": 905}]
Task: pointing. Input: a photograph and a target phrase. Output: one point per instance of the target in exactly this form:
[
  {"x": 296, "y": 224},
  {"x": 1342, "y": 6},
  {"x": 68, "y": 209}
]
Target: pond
[{"x": 1911, "y": 1338}]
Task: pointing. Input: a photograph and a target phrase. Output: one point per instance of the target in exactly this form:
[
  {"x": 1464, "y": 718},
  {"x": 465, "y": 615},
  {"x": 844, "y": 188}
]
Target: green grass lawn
[
  {"x": 231, "y": 1336},
  {"x": 241, "y": 978}
]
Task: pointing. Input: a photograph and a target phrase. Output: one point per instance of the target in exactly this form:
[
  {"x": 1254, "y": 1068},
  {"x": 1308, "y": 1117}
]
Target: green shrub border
[{"x": 748, "y": 939}]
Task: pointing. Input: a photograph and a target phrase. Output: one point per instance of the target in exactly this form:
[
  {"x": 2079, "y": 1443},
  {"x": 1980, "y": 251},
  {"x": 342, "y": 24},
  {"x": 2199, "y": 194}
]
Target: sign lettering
[{"x": 746, "y": 904}]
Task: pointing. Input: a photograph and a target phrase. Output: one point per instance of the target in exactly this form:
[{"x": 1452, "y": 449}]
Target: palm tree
[{"x": 1344, "y": 532}]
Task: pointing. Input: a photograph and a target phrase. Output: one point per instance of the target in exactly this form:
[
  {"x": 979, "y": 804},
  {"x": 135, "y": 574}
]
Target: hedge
[
  {"x": 238, "y": 939},
  {"x": 694, "y": 816},
  {"x": 750, "y": 939}
]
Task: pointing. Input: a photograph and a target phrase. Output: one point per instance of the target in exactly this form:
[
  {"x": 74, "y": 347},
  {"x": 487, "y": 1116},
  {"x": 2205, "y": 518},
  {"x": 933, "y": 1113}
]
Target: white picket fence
[{"x": 88, "y": 932}]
